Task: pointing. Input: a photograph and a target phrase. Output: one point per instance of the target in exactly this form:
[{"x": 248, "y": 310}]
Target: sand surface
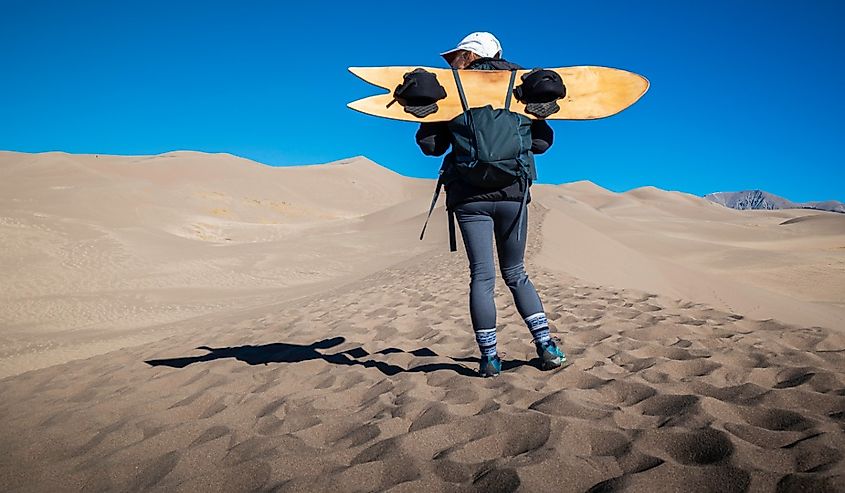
[{"x": 191, "y": 322}]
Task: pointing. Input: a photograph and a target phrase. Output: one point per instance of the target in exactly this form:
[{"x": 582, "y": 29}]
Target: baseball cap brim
[{"x": 481, "y": 43}]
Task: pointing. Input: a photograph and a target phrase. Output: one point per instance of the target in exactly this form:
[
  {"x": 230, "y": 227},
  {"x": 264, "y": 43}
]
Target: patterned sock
[
  {"x": 538, "y": 325},
  {"x": 486, "y": 339}
]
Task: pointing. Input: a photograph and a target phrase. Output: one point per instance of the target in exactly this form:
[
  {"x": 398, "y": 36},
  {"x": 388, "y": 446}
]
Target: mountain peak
[{"x": 761, "y": 200}]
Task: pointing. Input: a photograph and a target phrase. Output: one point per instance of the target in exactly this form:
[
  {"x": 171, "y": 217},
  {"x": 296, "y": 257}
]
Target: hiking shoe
[
  {"x": 490, "y": 366},
  {"x": 551, "y": 356}
]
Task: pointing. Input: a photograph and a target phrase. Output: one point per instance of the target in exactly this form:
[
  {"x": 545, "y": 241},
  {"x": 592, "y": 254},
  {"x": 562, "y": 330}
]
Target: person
[{"x": 484, "y": 214}]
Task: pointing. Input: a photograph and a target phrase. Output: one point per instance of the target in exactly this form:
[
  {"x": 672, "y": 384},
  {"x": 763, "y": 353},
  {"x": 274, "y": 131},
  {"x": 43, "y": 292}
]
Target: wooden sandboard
[{"x": 591, "y": 92}]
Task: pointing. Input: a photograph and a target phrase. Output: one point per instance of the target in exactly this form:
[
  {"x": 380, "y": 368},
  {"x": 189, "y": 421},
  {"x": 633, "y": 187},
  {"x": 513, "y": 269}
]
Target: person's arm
[
  {"x": 542, "y": 136},
  {"x": 433, "y": 138}
]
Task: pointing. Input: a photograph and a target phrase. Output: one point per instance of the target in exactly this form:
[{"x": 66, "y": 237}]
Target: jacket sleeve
[
  {"x": 433, "y": 138},
  {"x": 542, "y": 136}
]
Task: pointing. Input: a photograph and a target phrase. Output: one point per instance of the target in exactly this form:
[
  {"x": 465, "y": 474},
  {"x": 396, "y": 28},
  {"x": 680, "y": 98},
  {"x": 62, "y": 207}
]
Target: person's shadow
[{"x": 282, "y": 352}]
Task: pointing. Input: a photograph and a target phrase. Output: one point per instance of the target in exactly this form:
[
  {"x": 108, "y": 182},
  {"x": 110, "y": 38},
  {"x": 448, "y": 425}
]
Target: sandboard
[{"x": 592, "y": 92}]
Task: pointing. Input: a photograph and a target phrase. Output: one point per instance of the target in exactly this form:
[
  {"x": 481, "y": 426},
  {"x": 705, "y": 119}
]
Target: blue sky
[{"x": 743, "y": 94}]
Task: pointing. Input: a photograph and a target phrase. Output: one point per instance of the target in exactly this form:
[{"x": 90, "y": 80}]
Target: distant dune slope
[
  {"x": 785, "y": 264},
  {"x": 98, "y": 251}
]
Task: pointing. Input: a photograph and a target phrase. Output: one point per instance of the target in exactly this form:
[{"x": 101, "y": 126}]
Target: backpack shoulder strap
[
  {"x": 433, "y": 202},
  {"x": 452, "y": 242},
  {"x": 463, "y": 97},
  {"x": 510, "y": 91},
  {"x": 517, "y": 223},
  {"x": 467, "y": 114},
  {"x": 461, "y": 93}
]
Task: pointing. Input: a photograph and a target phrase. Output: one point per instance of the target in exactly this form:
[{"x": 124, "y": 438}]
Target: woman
[{"x": 485, "y": 214}]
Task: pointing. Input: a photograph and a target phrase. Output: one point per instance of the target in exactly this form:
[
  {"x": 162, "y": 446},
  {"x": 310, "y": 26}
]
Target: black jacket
[{"x": 435, "y": 139}]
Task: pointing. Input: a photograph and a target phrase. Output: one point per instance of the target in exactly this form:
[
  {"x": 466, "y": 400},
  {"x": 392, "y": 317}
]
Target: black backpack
[{"x": 491, "y": 148}]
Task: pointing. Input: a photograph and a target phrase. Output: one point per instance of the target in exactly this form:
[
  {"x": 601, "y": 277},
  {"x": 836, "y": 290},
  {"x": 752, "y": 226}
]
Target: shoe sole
[{"x": 554, "y": 365}]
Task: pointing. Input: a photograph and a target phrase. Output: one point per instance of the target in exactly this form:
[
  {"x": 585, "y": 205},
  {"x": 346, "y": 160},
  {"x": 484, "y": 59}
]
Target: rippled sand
[{"x": 333, "y": 350}]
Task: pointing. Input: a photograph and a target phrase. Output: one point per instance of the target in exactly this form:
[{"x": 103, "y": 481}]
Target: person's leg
[
  {"x": 511, "y": 255},
  {"x": 476, "y": 223},
  {"x": 511, "y": 262}
]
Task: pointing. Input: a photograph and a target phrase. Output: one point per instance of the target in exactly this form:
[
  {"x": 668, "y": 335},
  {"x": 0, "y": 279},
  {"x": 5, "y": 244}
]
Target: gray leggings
[{"x": 479, "y": 221}]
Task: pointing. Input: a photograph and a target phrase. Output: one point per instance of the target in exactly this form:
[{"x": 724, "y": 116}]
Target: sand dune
[
  {"x": 785, "y": 264},
  {"x": 199, "y": 321},
  {"x": 101, "y": 251}
]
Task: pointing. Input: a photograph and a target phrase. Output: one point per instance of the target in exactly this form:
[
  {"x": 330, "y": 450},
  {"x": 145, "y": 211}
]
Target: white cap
[{"x": 482, "y": 44}]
